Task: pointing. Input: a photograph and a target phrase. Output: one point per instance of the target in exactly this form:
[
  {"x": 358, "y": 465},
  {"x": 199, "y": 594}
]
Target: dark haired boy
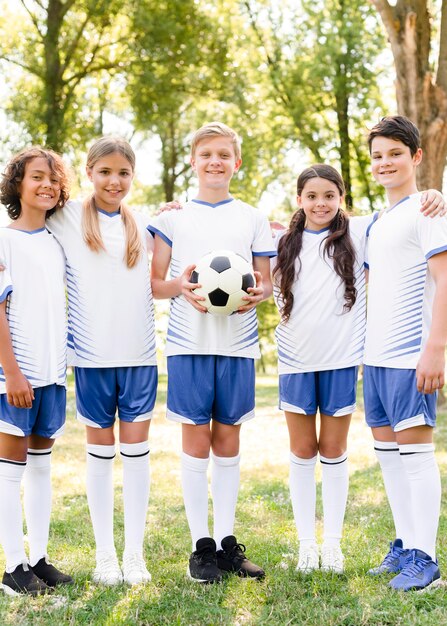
[{"x": 404, "y": 352}]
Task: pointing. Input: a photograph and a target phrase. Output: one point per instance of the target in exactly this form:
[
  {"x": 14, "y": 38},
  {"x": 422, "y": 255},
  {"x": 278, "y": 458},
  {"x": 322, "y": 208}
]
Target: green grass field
[{"x": 264, "y": 524}]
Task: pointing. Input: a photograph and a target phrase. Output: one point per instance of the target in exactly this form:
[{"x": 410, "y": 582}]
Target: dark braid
[{"x": 289, "y": 249}]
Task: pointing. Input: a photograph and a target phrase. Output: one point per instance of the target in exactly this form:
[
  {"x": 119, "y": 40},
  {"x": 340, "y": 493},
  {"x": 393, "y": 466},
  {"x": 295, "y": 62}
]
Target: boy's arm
[
  {"x": 430, "y": 369},
  {"x": 264, "y": 288},
  {"x": 162, "y": 288},
  {"x": 19, "y": 392}
]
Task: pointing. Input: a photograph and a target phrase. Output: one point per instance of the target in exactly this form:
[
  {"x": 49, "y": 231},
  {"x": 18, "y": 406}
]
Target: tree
[
  {"x": 320, "y": 58},
  {"x": 177, "y": 85},
  {"x": 421, "y": 80},
  {"x": 62, "y": 47}
]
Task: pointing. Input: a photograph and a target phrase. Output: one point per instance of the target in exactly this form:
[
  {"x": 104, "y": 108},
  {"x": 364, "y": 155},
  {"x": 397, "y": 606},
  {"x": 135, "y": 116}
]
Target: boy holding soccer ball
[{"x": 211, "y": 375}]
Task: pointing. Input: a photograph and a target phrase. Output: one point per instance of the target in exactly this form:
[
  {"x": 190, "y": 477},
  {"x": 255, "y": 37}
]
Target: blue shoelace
[{"x": 413, "y": 565}]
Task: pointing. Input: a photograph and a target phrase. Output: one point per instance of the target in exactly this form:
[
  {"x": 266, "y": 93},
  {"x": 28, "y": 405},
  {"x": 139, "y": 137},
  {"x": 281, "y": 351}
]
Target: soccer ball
[{"x": 224, "y": 277}]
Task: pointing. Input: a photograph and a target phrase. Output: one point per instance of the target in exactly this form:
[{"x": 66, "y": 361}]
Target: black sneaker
[
  {"x": 232, "y": 559},
  {"x": 50, "y": 575},
  {"x": 202, "y": 566},
  {"x": 23, "y": 580}
]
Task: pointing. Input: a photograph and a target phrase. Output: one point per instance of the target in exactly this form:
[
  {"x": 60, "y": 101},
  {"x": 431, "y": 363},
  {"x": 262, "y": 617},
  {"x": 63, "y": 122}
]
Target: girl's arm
[
  {"x": 431, "y": 366},
  {"x": 162, "y": 288},
  {"x": 264, "y": 288},
  {"x": 19, "y": 392}
]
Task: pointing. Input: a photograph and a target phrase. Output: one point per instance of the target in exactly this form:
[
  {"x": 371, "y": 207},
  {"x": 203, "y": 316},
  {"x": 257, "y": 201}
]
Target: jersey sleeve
[
  {"x": 432, "y": 235},
  {"x": 5, "y": 275},
  {"x": 163, "y": 226},
  {"x": 263, "y": 242}
]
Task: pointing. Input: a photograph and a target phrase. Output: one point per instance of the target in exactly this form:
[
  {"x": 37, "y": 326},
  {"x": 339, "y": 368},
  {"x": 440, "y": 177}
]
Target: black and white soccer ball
[{"x": 224, "y": 277}]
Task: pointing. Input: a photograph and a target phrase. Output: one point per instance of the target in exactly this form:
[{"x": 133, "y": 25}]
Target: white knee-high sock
[
  {"x": 136, "y": 487},
  {"x": 303, "y": 495},
  {"x": 195, "y": 495},
  {"x": 11, "y": 521},
  {"x": 335, "y": 485},
  {"x": 397, "y": 489},
  {"x": 425, "y": 486},
  {"x": 100, "y": 494},
  {"x": 225, "y": 477},
  {"x": 37, "y": 501}
]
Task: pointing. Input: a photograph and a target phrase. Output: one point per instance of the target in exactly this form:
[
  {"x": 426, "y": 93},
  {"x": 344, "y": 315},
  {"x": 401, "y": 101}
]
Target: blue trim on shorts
[
  {"x": 101, "y": 392},
  {"x": 205, "y": 387},
  {"x": 392, "y": 399},
  {"x": 332, "y": 392}
]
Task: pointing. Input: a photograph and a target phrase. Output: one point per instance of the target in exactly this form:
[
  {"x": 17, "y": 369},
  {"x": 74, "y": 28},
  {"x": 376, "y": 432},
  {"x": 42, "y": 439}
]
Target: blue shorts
[
  {"x": 392, "y": 399},
  {"x": 101, "y": 391},
  {"x": 201, "y": 387},
  {"x": 45, "y": 418},
  {"x": 333, "y": 392}
]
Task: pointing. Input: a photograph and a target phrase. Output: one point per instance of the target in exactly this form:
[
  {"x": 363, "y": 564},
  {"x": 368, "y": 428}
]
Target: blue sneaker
[
  {"x": 419, "y": 572},
  {"x": 393, "y": 562}
]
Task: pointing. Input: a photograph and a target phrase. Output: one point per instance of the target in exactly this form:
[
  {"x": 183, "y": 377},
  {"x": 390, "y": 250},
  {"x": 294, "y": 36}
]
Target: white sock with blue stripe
[
  {"x": 425, "y": 487},
  {"x": 100, "y": 495},
  {"x": 11, "y": 521},
  {"x": 397, "y": 489},
  {"x": 303, "y": 496},
  {"x": 37, "y": 502},
  {"x": 136, "y": 488},
  {"x": 195, "y": 495},
  {"x": 225, "y": 477},
  {"x": 335, "y": 485}
]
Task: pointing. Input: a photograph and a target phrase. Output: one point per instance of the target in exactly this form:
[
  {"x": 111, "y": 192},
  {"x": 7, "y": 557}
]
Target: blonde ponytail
[{"x": 134, "y": 246}]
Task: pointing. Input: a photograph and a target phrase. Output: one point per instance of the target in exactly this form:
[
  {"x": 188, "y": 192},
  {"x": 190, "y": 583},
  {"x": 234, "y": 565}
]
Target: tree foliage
[
  {"x": 320, "y": 59},
  {"x": 64, "y": 48}
]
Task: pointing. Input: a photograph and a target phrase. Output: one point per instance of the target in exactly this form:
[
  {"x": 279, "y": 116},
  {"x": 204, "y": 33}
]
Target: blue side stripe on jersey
[
  {"x": 405, "y": 353},
  {"x": 253, "y": 335},
  {"x": 408, "y": 330},
  {"x": 415, "y": 269},
  {"x": 410, "y": 344},
  {"x": 410, "y": 302}
]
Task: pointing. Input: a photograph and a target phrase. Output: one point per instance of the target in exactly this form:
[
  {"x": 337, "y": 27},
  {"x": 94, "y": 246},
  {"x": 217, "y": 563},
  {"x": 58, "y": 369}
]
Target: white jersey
[
  {"x": 319, "y": 336},
  {"x": 110, "y": 308},
  {"x": 193, "y": 232},
  {"x": 34, "y": 282},
  {"x": 401, "y": 289}
]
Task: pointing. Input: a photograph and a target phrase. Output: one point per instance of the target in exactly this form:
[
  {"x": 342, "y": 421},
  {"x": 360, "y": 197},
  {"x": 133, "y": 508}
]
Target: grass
[{"x": 264, "y": 523}]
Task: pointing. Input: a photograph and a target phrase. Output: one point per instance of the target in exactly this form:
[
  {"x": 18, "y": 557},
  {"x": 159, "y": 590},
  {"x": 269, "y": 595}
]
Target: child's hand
[
  {"x": 430, "y": 370},
  {"x": 169, "y": 206},
  {"x": 19, "y": 392},
  {"x": 276, "y": 227},
  {"x": 433, "y": 203},
  {"x": 188, "y": 287},
  {"x": 256, "y": 295}
]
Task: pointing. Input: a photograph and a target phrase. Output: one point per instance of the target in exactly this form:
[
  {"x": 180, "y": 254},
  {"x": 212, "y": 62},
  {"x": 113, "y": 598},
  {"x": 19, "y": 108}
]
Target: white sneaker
[
  {"x": 332, "y": 559},
  {"x": 134, "y": 569},
  {"x": 107, "y": 571},
  {"x": 308, "y": 559}
]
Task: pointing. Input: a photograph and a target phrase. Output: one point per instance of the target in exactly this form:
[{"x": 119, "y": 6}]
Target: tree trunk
[
  {"x": 421, "y": 95},
  {"x": 54, "y": 109}
]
